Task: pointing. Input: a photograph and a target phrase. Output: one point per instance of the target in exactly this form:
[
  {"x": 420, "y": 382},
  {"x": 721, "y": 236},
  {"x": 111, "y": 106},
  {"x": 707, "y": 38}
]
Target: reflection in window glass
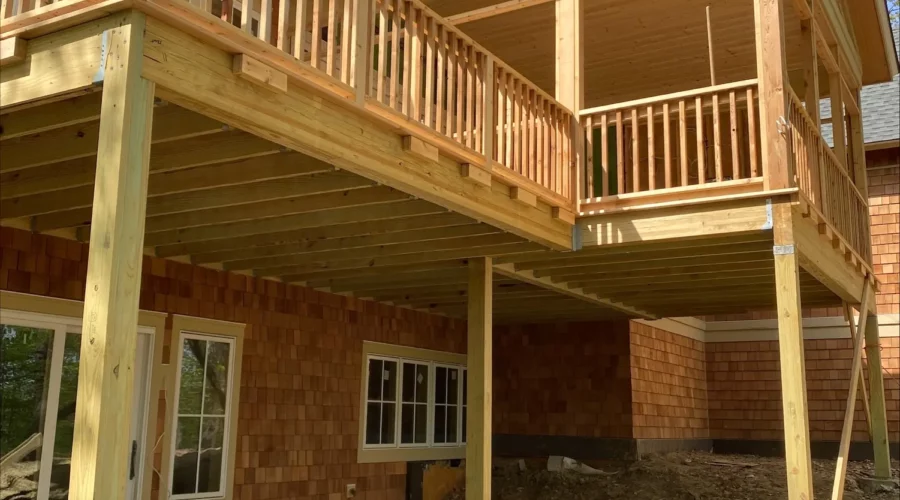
[
  {"x": 381, "y": 402},
  {"x": 25, "y": 355},
  {"x": 65, "y": 423},
  {"x": 414, "y": 405},
  {"x": 202, "y": 422},
  {"x": 446, "y": 405}
]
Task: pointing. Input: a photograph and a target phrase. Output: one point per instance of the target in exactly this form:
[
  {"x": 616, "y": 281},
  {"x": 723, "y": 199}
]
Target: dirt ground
[{"x": 674, "y": 476}]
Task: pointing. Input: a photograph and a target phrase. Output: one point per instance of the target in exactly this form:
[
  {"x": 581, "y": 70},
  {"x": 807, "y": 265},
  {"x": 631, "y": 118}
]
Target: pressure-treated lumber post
[
  {"x": 103, "y": 415},
  {"x": 811, "y": 69},
  {"x": 877, "y": 406},
  {"x": 837, "y": 118},
  {"x": 857, "y": 149},
  {"x": 793, "y": 366},
  {"x": 570, "y": 54},
  {"x": 864, "y": 392},
  {"x": 840, "y": 474},
  {"x": 480, "y": 356},
  {"x": 773, "y": 105}
]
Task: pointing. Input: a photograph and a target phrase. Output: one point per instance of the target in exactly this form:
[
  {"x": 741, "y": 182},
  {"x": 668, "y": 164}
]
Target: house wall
[
  {"x": 668, "y": 384},
  {"x": 299, "y": 399},
  {"x": 564, "y": 379}
]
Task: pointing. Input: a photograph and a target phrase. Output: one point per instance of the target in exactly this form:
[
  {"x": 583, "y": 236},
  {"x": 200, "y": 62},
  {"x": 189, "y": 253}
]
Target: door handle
[{"x": 133, "y": 458}]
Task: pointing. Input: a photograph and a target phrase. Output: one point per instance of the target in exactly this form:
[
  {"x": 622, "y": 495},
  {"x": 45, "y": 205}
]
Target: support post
[
  {"x": 858, "y": 150},
  {"x": 480, "y": 383},
  {"x": 793, "y": 365},
  {"x": 837, "y": 118},
  {"x": 109, "y": 331},
  {"x": 570, "y": 54},
  {"x": 773, "y": 105},
  {"x": 878, "y": 407}
]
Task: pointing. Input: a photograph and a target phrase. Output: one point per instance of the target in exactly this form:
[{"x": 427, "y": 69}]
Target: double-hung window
[{"x": 413, "y": 404}]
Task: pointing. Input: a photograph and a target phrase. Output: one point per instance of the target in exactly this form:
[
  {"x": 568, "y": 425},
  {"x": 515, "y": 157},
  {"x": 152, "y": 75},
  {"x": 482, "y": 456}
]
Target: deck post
[
  {"x": 103, "y": 415},
  {"x": 793, "y": 366},
  {"x": 877, "y": 405},
  {"x": 570, "y": 54},
  {"x": 480, "y": 383},
  {"x": 773, "y": 105}
]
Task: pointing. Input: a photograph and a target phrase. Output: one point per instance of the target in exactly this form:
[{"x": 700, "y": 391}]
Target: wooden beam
[
  {"x": 880, "y": 435},
  {"x": 480, "y": 380},
  {"x": 105, "y": 380},
  {"x": 570, "y": 54},
  {"x": 840, "y": 474},
  {"x": 545, "y": 282},
  {"x": 494, "y": 10},
  {"x": 12, "y": 50},
  {"x": 793, "y": 367},
  {"x": 848, "y": 315},
  {"x": 476, "y": 174},
  {"x": 38, "y": 119},
  {"x": 61, "y": 63},
  {"x": 773, "y": 103}
]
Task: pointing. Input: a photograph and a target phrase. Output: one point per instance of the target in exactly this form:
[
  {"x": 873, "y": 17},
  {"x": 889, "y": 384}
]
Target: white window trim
[
  {"x": 397, "y": 452},
  {"x": 61, "y": 326},
  {"x": 226, "y": 445}
]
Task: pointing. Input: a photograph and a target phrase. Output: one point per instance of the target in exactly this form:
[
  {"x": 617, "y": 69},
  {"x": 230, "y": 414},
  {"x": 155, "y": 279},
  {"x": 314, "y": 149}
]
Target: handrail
[{"x": 670, "y": 97}]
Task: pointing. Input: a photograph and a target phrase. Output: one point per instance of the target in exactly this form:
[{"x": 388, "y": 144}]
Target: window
[
  {"x": 203, "y": 416},
  {"x": 39, "y": 364},
  {"x": 413, "y": 404}
]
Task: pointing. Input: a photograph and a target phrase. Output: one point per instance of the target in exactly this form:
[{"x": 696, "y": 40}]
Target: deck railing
[
  {"x": 420, "y": 74},
  {"x": 697, "y": 143},
  {"x": 824, "y": 181}
]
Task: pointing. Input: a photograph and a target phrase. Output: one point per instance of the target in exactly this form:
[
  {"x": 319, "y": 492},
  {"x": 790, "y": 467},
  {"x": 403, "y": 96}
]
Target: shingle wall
[{"x": 299, "y": 400}]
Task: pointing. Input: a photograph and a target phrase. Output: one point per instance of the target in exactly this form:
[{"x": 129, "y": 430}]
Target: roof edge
[{"x": 887, "y": 36}]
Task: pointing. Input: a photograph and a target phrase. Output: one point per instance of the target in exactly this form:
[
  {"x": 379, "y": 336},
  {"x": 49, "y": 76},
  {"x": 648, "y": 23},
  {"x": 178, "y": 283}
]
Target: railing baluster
[
  {"x": 635, "y": 152},
  {"x": 429, "y": 70},
  {"x": 346, "y": 51},
  {"x": 284, "y": 8},
  {"x": 408, "y": 10},
  {"x": 316, "y": 32},
  {"x": 751, "y": 129},
  {"x": 415, "y": 66},
  {"x": 441, "y": 78},
  {"x": 701, "y": 148},
  {"x": 683, "y": 142},
  {"x": 620, "y": 154},
  {"x": 395, "y": 78},
  {"x": 589, "y": 158},
  {"x": 604, "y": 153},
  {"x": 735, "y": 155},
  {"x": 717, "y": 138},
  {"x": 651, "y": 148},
  {"x": 265, "y": 20},
  {"x": 300, "y": 20},
  {"x": 531, "y": 128},
  {"x": 470, "y": 93},
  {"x": 538, "y": 143},
  {"x": 510, "y": 89},
  {"x": 477, "y": 106},
  {"x": 459, "y": 50},
  {"x": 382, "y": 52},
  {"x": 667, "y": 149},
  {"x": 516, "y": 133}
]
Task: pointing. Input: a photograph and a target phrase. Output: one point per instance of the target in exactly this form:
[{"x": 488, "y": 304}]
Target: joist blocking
[
  {"x": 255, "y": 71},
  {"x": 420, "y": 148},
  {"x": 12, "y": 50},
  {"x": 476, "y": 174},
  {"x": 523, "y": 196},
  {"x": 563, "y": 214}
]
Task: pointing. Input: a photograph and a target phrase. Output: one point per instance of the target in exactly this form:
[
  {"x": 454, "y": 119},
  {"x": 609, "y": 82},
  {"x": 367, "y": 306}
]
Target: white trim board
[
  {"x": 690, "y": 327},
  {"x": 813, "y": 329}
]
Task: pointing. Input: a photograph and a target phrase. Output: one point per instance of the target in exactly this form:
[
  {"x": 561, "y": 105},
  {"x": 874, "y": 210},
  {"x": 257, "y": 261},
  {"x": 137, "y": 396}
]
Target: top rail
[{"x": 675, "y": 96}]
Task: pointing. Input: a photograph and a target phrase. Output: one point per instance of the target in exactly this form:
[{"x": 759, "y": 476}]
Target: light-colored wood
[
  {"x": 791, "y": 351},
  {"x": 494, "y": 10},
  {"x": 863, "y": 390},
  {"x": 682, "y": 142},
  {"x": 701, "y": 142},
  {"x": 675, "y": 96},
  {"x": 480, "y": 379},
  {"x": 651, "y": 149},
  {"x": 751, "y": 131},
  {"x": 667, "y": 145},
  {"x": 105, "y": 380},
  {"x": 880, "y": 436},
  {"x": 359, "y": 54},
  {"x": 709, "y": 43},
  {"x": 570, "y": 54},
  {"x": 838, "y": 123},
  {"x": 476, "y": 174},
  {"x": 563, "y": 214},
  {"x": 420, "y": 148},
  {"x": 773, "y": 105},
  {"x": 523, "y": 196},
  {"x": 717, "y": 139},
  {"x": 735, "y": 142},
  {"x": 12, "y": 50},
  {"x": 255, "y": 71},
  {"x": 840, "y": 474}
]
